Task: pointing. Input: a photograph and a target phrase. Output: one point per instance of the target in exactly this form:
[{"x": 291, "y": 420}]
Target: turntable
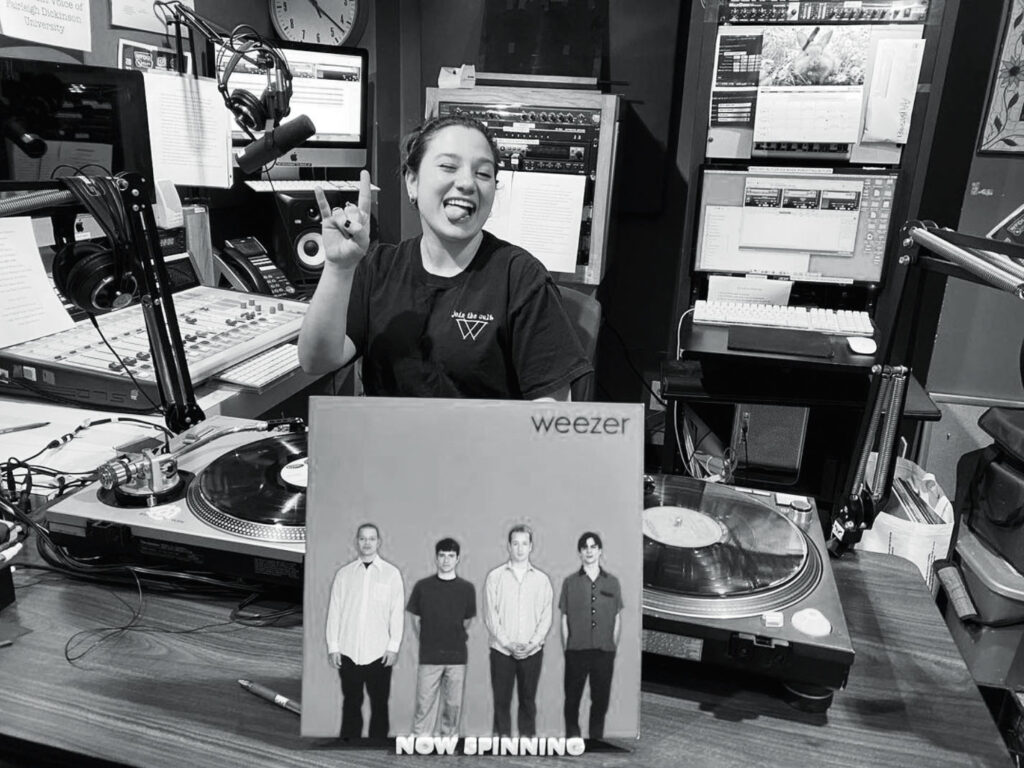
[
  {"x": 236, "y": 505},
  {"x": 737, "y": 579}
]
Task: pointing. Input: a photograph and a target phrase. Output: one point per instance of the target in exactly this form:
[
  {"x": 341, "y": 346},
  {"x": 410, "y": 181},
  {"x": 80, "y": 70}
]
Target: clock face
[{"x": 325, "y": 22}]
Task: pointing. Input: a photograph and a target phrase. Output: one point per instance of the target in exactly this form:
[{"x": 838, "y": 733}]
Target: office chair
[{"x": 585, "y": 314}]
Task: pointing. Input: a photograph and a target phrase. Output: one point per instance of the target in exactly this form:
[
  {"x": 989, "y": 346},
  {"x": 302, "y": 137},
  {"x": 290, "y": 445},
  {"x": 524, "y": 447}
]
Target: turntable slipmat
[
  {"x": 710, "y": 551},
  {"x": 257, "y": 490}
]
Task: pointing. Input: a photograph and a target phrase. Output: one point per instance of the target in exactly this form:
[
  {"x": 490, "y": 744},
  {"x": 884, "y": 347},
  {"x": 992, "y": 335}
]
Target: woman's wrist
[{"x": 339, "y": 270}]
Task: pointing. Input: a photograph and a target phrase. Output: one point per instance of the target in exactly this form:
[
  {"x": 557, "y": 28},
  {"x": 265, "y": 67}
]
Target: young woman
[{"x": 455, "y": 312}]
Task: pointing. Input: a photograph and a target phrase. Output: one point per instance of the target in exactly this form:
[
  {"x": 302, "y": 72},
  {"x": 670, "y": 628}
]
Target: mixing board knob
[
  {"x": 230, "y": 321},
  {"x": 190, "y": 320},
  {"x": 114, "y": 366}
]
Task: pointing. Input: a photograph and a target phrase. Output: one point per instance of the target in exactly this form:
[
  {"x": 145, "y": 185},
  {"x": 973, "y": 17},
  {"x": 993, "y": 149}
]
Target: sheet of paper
[
  {"x": 139, "y": 14},
  {"x": 29, "y": 308},
  {"x": 189, "y": 130},
  {"x": 809, "y": 113},
  {"x": 501, "y": 210},
  {"x": 63, "y": 23},
  {"x": 755, "y": 290},
  {"x": 890, "y": 99},
  {"x": 542, "y": 213},
  {"x": 143, "y": 57}
]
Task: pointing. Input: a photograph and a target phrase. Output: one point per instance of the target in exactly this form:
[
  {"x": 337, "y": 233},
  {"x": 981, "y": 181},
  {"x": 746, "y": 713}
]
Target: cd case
[{"x": 421, "y": 471}]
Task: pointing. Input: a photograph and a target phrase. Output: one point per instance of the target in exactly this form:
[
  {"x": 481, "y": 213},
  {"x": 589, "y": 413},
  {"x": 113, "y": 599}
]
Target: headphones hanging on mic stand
[
  {"x": 95, "y": 276},
  {"x": 266, "y": 111}
]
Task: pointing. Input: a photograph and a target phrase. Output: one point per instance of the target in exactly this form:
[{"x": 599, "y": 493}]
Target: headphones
[
  {"x": 95, "y": 276},
  {"x": 86, "y": 274},
  {"x": 252, "y": 112}
]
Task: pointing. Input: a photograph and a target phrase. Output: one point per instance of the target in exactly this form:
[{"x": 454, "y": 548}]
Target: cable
[
  {"x": 679, "y": 333},
  {"x": 79, "y": 169},
  {"x": 625, "y": 353}
]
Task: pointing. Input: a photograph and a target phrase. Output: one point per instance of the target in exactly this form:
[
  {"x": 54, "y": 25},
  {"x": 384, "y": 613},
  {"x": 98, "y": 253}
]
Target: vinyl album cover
[{"x": 473, "y": 569}]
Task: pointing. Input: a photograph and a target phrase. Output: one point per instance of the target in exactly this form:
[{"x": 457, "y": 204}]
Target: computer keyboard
[
  {"x": 840, "y": 322},
  {"x": 263, "y": 369},
  {"x": 294, "y": 185}
]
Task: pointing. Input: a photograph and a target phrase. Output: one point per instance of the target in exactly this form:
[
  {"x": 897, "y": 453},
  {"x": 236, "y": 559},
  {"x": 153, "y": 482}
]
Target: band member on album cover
[
  {"x": 518, "y": 617},
  {"x": 364, "y": 633},
  {"x": 442, "y": 608},
  {"x": 591, "y": 606}
]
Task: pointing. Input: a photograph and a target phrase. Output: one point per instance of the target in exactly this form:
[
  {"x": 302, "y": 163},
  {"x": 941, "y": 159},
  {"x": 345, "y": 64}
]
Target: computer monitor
[
  {"x": 329, "y": 86},
  {"x": 62, "y": 119},
  {"x": 805, "y": 224}
]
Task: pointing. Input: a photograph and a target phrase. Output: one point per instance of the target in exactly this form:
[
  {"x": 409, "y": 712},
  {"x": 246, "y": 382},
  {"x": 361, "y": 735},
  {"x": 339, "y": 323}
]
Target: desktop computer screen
[
  {"x": 62, "y": 119},
  {"x": 329, "y": 86},
  {"x": 804, "y": 224}
]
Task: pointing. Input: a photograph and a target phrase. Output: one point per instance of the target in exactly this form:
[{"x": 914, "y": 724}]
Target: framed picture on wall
[{"x": 1003, "y": 129}]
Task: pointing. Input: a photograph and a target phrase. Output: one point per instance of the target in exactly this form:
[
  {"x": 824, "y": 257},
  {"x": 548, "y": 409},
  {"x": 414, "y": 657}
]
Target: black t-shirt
[
  {"x": 496, "y": 330},
  {"x": 442, "y": 605}
]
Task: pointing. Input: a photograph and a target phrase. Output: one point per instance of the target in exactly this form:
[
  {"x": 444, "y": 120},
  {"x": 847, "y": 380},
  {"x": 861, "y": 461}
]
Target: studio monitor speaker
[
  {"x": 769, "y": 437},
  {"x": 298, "y": 247}
]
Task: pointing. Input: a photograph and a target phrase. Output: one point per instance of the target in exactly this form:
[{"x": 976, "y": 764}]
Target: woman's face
[{"x": 454, "y": 186}]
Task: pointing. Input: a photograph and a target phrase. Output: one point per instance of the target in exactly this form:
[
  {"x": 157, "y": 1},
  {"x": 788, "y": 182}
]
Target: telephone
[{"x": 245, "y": 266}]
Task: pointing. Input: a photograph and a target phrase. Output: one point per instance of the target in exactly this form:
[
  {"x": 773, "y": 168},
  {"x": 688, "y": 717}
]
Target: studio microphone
[{"x": 273, "y": 144}]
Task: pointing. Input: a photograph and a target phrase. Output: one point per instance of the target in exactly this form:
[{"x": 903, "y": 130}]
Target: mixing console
[{"x": 219, "y": 328}]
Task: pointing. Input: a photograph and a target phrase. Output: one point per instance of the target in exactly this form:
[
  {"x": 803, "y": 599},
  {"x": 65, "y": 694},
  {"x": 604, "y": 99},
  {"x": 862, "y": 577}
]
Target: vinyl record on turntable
[
  {"x": 257, "y": 490},
  {"x": 712, "y": 551}
]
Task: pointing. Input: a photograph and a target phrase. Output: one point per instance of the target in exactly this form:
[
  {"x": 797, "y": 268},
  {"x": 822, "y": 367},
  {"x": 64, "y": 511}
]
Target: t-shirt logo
[{"x": 470, "y": 323}]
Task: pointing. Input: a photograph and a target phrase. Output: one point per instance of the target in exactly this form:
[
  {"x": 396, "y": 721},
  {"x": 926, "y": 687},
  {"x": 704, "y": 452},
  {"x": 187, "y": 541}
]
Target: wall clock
[{"x": 325, "y": 22}]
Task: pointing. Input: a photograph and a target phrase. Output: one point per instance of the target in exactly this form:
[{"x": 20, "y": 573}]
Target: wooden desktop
[{"x": 165, "y": 693}]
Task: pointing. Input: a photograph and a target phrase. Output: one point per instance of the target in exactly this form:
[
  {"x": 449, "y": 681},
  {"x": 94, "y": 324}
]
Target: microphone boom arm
[{"x": 174, "y": 383}]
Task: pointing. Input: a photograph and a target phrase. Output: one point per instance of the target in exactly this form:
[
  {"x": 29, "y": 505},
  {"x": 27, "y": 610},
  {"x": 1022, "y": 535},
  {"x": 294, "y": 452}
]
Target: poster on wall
[
  {"x": 1003, "y": 129},
  {"x": 472, "y": 566},
  {"x": 60, "y": 23}
]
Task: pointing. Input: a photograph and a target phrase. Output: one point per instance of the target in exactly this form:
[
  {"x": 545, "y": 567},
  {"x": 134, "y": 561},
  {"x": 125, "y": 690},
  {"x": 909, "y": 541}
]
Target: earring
[{"x": 412, "y": 201}]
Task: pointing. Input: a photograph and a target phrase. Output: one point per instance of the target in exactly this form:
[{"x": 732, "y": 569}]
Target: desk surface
[
  {"x": 153, "y": 698},
  {"x": 704, "y": 340}
]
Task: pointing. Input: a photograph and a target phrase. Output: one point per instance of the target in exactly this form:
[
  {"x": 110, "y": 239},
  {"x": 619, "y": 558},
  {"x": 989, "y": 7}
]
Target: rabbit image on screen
[
  {"x": 814, "y": 56},
  {"x": 814, "y": 64}
]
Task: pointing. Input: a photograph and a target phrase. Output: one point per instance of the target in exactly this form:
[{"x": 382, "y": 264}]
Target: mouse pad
[{"x": 782, "y": 341}]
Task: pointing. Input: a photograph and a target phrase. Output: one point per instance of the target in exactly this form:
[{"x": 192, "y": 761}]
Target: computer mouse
[{"x": 861, "y": 345}]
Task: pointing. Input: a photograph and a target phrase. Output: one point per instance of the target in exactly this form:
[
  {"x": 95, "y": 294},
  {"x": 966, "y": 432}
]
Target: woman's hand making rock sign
[{"x": 346, "y": 231}]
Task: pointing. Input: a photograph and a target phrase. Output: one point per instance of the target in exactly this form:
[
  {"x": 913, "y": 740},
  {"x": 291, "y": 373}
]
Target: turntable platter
[
  {"x": 257, "y": 490},
  {"x": 710, "y": 550}
]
